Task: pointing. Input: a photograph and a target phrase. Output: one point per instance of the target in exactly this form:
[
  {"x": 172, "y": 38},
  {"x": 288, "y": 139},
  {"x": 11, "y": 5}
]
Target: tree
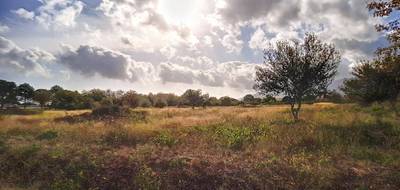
[
  {"x": 214, "y": 101},
  {"x": 42, "y": 96},
  {"x": 130, "y": 99},
  {"x": 192, "y": 97},
  {"x": 66, "y": 99},
  {"x": 25, "y": 92},
  {"x": 172, "y": 100},
  {"x": 379, "y": 80},
  {"x": 387, "y": 8},
  {"x": 7, "y": 93},
  {"x": 268, "y": 99},
  {"x": 372, "y": 83},
  {"x": 56, "y": 89},
  {"x": 297, "y": 70},
  {"x": 160, "y": 103},
  {"x": 228, "y": 101},
  {"x": 248, "y": 99},
  {"x": 205, "y": 100}
]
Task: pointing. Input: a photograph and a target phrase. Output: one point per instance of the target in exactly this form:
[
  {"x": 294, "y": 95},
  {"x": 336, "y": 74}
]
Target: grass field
[{"x": 332, "y": 147}]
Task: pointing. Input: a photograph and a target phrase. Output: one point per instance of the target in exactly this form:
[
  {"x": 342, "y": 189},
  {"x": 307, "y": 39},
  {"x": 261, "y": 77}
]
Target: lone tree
[
  {"x": 25, "y": 92},
  {"x": 297, "y": 70},
  {"x": 7, "y": 93},
  {"x": 42, "y": 96},
  {"x": 192, "y": 97}
]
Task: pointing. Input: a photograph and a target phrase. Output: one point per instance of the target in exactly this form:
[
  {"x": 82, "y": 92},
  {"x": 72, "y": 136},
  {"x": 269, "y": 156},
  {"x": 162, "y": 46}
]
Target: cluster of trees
[
  {"x": 378, "y": 80},
  {"x": 56, "y": 97}
]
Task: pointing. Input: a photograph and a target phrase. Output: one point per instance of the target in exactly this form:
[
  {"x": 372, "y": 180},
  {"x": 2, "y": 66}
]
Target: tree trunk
[{"x": 295, "y": 110}]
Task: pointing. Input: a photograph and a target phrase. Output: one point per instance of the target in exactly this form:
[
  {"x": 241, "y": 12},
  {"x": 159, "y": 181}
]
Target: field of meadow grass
[{"x": 332, "y": 147}]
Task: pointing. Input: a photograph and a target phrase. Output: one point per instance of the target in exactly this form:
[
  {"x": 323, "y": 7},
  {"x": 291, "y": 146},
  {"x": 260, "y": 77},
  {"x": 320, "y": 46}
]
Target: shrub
[
  {"x": 165, "y": 139},
  {"x": 113, "y": 111},
  {"x": 236, "y": 137},
  {"x": 147, "y": 179},
  {"x": 28, "y": 151},
  {"x": 3, "y": 146},
  {"x": 48, "y": 135},
  {"x": 160, "y": 104},
  {"x": 139, "y": 115},
  {"x": 119, "y": 137}
]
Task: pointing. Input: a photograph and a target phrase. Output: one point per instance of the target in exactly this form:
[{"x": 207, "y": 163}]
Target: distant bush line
[{"x": 13, "y": 97}]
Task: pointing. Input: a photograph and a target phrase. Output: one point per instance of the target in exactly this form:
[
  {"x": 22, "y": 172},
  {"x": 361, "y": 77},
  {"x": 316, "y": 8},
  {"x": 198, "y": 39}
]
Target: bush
[
  {"x": 3, "y": 146},
  {"x": 236, "y": 137},
  {"x": 139, "y": 115},
  {"x": 119, "y": 137},
  {"x": 146, "y": 179},
  {"x": 48, "y": 135},
  {"x": 113, "y": 110},
  {"x": 160, "y": 104},
  {"x": 165, "y": 139}
]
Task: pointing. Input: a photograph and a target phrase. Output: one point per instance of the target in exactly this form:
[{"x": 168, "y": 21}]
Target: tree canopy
[{"x": 297, "y": 70}]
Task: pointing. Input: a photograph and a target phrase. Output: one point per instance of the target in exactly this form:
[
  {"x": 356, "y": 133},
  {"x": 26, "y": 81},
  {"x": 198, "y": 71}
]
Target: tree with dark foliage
[
  {"x": 386, "y": 8},
  {"x": 7, "y": 93},
  {"x": 42, "y": 96},
  {"x": 25, "y": 92},
  {"x": 297, "y": 70},
  {"x": 379, "y": 80},
  {"x": 192, "y": 97}
]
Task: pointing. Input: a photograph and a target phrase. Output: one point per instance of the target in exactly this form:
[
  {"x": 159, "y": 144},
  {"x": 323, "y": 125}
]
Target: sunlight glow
[{"x": 180, "y": 12}]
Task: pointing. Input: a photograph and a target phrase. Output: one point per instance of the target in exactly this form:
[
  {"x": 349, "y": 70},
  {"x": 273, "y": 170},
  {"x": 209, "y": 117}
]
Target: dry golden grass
[{"x": 333, "y": 146}]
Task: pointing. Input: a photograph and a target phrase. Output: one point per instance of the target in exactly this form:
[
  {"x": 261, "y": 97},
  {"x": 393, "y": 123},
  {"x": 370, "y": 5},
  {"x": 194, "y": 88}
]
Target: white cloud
[
  {"x": 27, "y": 61},
  {"x": 23, "y": 13},
  {"x": 54, "y": 14},
  {"x": 258, "y": 40},
  {"x": 4, "y": 28}
]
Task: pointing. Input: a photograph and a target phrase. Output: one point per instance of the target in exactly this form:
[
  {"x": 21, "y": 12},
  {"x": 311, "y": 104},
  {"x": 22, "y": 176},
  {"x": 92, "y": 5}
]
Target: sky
[{"x": 170, "y": 45}]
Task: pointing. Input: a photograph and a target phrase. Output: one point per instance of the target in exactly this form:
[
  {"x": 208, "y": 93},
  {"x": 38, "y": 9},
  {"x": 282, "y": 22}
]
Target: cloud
[
  {"x": 54, "y": 14},
  {"x": 89, "y": 61},
  {"x": 203, "y": 71},
  {"x": 3, "y": 28},
  {"x": 27, "y": 61},
  {"x": 258, "y": 40},
  {"x": 23, "y": 13}
]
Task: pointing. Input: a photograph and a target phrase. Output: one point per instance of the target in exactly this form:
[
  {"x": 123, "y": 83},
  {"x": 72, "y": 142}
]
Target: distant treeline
[{"x": 13, "y": 96}]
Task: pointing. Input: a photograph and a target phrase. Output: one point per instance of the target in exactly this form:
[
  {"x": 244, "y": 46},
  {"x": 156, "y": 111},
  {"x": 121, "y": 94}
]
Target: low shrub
[
  {"x": 113, "y": 110},
  {"x": 236, "y": 137},
  {"x": 119, "y": 137},
  {"x": 165, "y": 139},
  {"x": 146, "y": 179},
  {"x": 160, "y": 104},
  {"x": 3, "y": 146},
  {"x": 48, "y": 135}
]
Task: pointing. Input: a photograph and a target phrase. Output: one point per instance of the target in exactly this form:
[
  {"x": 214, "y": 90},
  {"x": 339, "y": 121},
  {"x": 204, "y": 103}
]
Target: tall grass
[{"x": 332, "y": 147}]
